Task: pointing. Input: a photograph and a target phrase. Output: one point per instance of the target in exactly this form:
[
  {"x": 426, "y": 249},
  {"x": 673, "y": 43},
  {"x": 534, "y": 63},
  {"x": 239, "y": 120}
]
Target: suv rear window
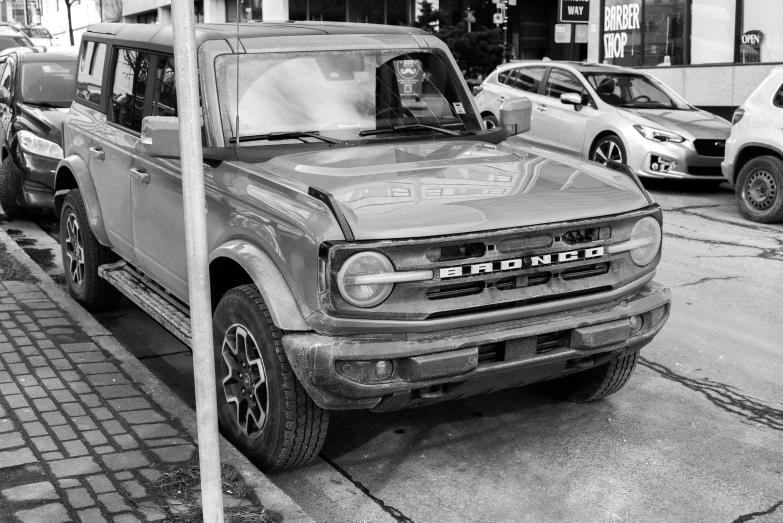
[
  {"x": 131, "y": 69},
  {"x": 90, "y": 73}
]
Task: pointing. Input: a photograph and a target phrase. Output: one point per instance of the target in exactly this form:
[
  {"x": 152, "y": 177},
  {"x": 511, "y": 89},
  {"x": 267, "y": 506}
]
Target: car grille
[
  {"x": 705, "y": 171},
  {"x": 467, "y": 294},
  {"x": 712, "y": 148}
]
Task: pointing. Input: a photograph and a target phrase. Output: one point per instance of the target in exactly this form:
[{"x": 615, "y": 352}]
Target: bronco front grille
[{"x": 452, "y": 294}]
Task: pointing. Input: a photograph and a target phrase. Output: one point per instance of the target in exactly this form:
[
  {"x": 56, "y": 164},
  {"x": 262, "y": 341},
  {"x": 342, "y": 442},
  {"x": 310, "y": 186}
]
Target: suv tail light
[
  {"x": 477, "y": 89},
  {"x": 738, "y": 114}
]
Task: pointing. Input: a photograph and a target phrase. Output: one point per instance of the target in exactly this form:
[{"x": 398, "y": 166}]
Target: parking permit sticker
[{"x": 459, "y": 108}]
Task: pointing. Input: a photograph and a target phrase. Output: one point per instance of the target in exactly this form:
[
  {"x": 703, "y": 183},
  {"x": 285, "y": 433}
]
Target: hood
[
  {"x": 423, "y": 189},
  {"x": 691, "y": 124},
  {"x": 46, "y": 122}
]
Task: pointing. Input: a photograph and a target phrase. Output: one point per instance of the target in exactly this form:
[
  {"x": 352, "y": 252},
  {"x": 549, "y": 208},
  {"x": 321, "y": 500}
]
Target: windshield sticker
[{"x": 459, "y": 108}]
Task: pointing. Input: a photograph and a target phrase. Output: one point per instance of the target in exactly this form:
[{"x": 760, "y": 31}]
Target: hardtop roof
[{"x": 160, "y": 36}]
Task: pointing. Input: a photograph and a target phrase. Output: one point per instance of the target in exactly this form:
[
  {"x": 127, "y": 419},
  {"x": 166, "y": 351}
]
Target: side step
[{"x": 164, "y": 308}]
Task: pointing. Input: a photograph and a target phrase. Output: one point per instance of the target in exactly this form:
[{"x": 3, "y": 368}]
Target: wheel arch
[
  {"x": 600, "y": 136},
  {"x": 238, "y": 263},
  {"x": 72, "y": 173},
  {"x": 751, "y": 151}
]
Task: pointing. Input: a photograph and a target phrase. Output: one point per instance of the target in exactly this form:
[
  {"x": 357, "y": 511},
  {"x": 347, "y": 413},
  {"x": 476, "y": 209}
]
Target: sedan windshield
[
  {"x": 634, "y": 91},
  {"x": 7, "y": 41},
  {"x": 48, "y": 83},
  {"x": 341, "y": 94}
]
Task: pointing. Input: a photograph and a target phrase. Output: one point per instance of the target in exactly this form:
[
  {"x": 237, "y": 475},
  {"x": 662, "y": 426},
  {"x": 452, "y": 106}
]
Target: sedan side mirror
[
  {"x": 516, "y": 113},
  {"x": 160, "y": 137},
  {"x": 572, "y": 99}
]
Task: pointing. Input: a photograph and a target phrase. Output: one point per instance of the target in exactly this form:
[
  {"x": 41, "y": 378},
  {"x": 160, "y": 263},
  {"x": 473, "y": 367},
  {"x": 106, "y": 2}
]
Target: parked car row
[{"x": 609, "y": 113}]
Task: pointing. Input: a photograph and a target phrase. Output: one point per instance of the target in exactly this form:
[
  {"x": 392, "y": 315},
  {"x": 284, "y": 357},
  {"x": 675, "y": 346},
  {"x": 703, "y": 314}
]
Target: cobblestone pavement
[{"x": 79, "y": 441}]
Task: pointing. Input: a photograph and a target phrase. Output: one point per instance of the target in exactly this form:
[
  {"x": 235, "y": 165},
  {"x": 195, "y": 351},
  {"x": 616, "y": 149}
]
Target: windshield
[
  {"x": 634, "y": 90},
  {"x": 36, "y": 32},
  {"x": 7, "y": 41},
  {"x": 48, "y": 83},
  {"x": 339, "y": 94}
]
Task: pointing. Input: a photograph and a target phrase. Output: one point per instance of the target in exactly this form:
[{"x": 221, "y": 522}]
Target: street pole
[{"x": 186, "y": 74}]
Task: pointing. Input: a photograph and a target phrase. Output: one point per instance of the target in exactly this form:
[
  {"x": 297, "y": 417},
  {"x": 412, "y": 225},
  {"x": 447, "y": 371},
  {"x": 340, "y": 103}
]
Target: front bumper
[
  {"x": 690, "y": 165},
  {"x": 437, "y": 366},
  {"x": 37, "y": 180}
]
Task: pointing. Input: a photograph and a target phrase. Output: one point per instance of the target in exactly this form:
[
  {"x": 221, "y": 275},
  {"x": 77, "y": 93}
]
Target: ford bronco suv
[{"x": 371, "y": 245}]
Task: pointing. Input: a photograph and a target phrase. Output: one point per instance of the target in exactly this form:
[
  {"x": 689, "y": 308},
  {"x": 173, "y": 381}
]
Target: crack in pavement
[
  {"x": 725, "y": 397},
  {"x": 752, "y": 515},
  {"x": 393, "y": 512},
  {"x": 685, "y": 210},
  {"x": 704, "y": 280},
  {"x": 767, "y": 253}
]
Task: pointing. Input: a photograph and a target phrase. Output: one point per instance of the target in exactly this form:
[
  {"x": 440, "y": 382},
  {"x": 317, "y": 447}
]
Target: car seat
[{"x": 606, "y": 91}]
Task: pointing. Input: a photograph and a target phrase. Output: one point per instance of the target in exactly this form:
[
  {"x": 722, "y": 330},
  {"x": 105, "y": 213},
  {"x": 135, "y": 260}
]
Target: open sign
[{"x": 752, "y": 38}]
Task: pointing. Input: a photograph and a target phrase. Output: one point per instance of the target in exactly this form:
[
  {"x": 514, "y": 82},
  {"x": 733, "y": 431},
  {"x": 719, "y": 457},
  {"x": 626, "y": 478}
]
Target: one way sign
[{"x": 575, "y": 11}]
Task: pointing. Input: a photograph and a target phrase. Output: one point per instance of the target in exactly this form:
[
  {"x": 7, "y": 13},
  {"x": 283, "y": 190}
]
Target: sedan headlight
[
  {"x": 350, "y": 283},
  {"x": 33, "y": 144},
  {"x": 645, "y": 241},
  {"x": 658, "y": 135}
]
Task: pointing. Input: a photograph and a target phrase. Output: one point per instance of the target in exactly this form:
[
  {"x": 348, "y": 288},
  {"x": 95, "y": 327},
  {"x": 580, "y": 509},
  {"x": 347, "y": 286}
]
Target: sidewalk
[{"x": 85, "y": 429}]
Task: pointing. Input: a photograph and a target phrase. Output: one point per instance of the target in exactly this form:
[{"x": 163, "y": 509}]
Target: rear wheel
[
  {"x": 490, "y": 121},
  {"x": 609, "y": 147},
  {"x": 263, "y": 409},
  {"x": 82, "y": 255},
  {"x": 759, "y": 190},
  {"x": 596, "y": 383},
  {"x": 9, "y": 189}
]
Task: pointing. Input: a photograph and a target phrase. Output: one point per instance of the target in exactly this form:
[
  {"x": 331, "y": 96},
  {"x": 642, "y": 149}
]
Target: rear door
[
  {"x": 560, "y": 126},
  {"x": 7, "y": 88},
  {"x": 777, "y": 130}
]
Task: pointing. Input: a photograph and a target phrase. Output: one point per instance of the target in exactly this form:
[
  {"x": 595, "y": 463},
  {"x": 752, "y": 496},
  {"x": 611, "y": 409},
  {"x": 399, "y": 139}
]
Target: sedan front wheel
[{"x": 609, "y": 148}]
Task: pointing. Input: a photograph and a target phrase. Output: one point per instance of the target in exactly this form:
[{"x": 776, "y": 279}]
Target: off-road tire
[
  {"x": 609, "y": 138},
  {"x": 94, "y": 293},
  {"x": 9, "y": 189},
  {"x": 770, "y": 168},
  {"x": 295, "y": 427},
  {"x": 490, "y": 121},
  {"x": 596, "y": 383}
]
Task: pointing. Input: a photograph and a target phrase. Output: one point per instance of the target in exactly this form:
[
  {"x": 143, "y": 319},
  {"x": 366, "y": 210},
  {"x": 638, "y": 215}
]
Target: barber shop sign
[{"x": 620, "y": 20}]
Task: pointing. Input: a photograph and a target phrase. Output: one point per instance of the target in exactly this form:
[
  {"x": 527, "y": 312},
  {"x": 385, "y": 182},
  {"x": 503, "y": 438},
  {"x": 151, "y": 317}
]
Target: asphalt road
[{"x": 696, "y": 436}]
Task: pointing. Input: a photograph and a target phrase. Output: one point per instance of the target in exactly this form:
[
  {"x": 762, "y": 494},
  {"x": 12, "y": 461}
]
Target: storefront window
[
  {"x": 365, "y": 11},
  {"x": 664, "y": 32},
  {"x": 712, "y": 31},
  {"x": 248, "y": 10},
  {"x": 762, "y": 32},
  {"x": 622, "y": 39}
]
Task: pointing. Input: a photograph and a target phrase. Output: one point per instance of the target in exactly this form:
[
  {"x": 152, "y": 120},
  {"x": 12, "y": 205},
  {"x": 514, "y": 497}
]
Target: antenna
[{"x": 236, "y": 124}]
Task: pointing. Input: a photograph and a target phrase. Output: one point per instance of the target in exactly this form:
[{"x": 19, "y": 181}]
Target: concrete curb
[{"x": 269, "y": 494}]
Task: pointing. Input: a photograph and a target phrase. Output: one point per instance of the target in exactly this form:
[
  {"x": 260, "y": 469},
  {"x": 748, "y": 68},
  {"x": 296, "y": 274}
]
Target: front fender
[
  {"x": 73, "y": 173},
  {"x": 270, "y": 283}
]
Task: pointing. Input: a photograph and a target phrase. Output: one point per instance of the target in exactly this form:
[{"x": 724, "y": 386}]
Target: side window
[
  {"x": 562, "y": 82},
  {"x": 778, "y": 100},
  {"x": 503, "y": 76},
  {"x": 164, "y": 102},
  {"x": 529, "y": 79},
  {"x": 129, "y": 88},
  {"x": 90, "y": 73},
  {"x": 6, "y": 79}
]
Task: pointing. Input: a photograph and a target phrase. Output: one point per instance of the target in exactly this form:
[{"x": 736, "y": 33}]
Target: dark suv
[{"x": 36, "y": 91}]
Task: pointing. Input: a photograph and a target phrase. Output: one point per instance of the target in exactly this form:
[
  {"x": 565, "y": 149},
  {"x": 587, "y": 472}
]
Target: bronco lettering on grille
[{"x": 520, "y": 263}]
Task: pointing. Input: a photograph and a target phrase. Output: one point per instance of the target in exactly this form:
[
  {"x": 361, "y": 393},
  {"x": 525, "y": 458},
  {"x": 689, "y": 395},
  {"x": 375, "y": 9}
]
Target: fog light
[
  {"x": 657, "y": 314},
  {"x": 654, "y": 166},
  {"x": 637, "y": 322},
  {"x": 383, "y": 369},
  {"x": 662, "y": 163}
]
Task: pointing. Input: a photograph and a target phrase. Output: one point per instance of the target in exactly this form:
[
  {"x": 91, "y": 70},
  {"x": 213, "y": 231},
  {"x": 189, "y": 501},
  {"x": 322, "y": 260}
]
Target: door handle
[
  {"x": 142, "y": 176},
  {"x": 541, "y": 108},
  {"x": 98, "y": 154},
  {"x": 502, "y": 99}
]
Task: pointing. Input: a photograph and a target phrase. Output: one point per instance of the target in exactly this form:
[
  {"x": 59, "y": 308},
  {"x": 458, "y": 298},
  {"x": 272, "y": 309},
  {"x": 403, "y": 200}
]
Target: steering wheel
[
  {"x": 639, "y": 98},
  {"x": 393, "y": 112}
]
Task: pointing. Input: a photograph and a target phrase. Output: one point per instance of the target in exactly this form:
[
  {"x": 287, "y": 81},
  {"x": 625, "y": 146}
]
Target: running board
[{"x": 164, "y": 308}]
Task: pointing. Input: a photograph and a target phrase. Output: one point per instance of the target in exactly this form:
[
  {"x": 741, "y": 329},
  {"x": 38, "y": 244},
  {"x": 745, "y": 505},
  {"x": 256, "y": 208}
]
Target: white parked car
[
  {"x": 754, "y": 152},
  {"x": 605, "y": 112}
]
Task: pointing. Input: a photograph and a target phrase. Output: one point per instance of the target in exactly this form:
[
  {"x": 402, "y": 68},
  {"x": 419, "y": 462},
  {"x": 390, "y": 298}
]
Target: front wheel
[
  {"x": 596, "y": 383},
  {"x": 9, "y": 189},
  {"x": 262, "y": 408},
  {"x": 490, "y": 121},
  {"x": 609, "y": 147},
  {"x": 759, "y": 190}
]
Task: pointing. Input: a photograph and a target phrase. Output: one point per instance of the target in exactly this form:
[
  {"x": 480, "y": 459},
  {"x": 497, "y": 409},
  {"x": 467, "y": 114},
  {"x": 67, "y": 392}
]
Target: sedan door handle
[
  {"x": 98, "y": 154},
  {"x": 142, "y": 176},
  {"x": 541, "y": 108}
]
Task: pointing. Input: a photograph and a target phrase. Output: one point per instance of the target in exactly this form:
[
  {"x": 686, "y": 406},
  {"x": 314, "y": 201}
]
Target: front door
[
  {"x": 113, "y": 143},
  {"x": 560, "y": 126}
]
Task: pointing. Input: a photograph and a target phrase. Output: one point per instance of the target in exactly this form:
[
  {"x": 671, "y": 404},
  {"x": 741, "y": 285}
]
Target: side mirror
[
  {"x": 5, "y": 96},
  {"x": 160, "y": 137},
  {"x": 516, "y": 113},
  {"x": 571, "y": 99}
]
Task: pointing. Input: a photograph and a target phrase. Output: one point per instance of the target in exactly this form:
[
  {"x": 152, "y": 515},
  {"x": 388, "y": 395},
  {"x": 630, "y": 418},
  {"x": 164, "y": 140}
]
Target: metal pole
[{"x": 186, "y": 74}]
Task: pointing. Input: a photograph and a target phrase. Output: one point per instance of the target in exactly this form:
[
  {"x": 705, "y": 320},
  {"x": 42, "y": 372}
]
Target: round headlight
[
  {"x": 363, "y": 264},
  {"x": 646, "y": 235}
]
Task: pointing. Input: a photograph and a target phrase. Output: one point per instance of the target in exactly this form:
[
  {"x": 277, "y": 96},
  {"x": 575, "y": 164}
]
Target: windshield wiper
[
  {"x": 369, "y": 132},
  {"x": 285, "y": 136}
]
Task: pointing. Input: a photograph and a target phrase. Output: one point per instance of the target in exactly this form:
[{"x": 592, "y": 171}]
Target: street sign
[
  {"x": 497, "y": 18},
  {"x": 562, "y": 33},
  {"x": 470, "y": 18},
  {"x": 574, "y": 11},
  {"x": 580, "y": 33}
]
